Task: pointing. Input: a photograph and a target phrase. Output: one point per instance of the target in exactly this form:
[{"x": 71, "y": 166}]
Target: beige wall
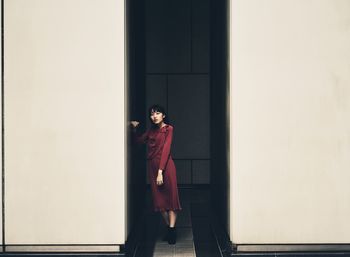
[
  {"x": 64, "y": 122},
  {"x": 290, "y": 127}
]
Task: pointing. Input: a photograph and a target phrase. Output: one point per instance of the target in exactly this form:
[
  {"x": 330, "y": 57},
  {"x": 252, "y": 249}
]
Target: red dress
[{"x": 165, "y": 197}]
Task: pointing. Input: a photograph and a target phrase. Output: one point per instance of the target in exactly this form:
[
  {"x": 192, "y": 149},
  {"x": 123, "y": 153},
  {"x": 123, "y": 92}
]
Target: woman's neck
[{"x": 161, "y": 125}]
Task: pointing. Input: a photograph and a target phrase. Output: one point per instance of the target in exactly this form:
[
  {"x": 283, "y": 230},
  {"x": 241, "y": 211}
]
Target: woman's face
[{"x": 157, "y": 117}]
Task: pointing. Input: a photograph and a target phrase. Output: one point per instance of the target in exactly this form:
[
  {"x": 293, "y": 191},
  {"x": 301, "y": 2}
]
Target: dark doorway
[{"x": 177, "y": 57}]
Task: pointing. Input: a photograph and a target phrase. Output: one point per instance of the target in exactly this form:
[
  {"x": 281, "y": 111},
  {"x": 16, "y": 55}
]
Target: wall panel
[
  {"x": 290, "y": 131},
  {"x": 191, "y": 117},
  {"x": 64, "y": 122},
  {"x": 168, "y": 36}
]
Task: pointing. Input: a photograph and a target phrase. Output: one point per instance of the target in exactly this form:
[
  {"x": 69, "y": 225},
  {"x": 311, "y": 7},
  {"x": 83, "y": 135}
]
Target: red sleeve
[
  {"x": 139, "y": 139},
  {"x": 166, "y": 148}
]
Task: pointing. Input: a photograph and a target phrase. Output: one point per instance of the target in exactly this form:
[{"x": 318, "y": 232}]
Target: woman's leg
[
  {"x": 172, "y": 218},
  {"x": 172, "y": 229},
  {"x": 165, "y": 217}
]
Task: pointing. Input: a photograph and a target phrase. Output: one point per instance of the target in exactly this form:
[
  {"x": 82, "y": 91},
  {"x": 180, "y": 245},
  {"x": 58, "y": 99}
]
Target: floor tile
[
  {"x": 207, "y": 250},
  {"x": 184, "y": 234}
]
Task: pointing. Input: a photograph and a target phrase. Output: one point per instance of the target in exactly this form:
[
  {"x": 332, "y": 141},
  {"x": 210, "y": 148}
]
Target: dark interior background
[
  {"x": 177, "y": 77},
  {"x": 177, "y": 57}
]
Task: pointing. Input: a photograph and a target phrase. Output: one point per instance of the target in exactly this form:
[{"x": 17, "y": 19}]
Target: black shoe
[
  {"x": 166, "y": 236},
  {"x": 172, "y": 236}
]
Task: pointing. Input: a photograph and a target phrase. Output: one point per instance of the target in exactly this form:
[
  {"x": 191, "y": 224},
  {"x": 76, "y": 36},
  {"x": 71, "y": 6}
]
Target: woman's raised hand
[{"x": 134, "y": 123}]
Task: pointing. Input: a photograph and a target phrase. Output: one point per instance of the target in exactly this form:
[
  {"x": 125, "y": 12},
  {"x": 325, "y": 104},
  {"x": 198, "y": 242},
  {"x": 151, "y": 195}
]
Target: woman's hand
[
  {"x": 160, "y": 178},
  {"x": 134, "y": 123}
]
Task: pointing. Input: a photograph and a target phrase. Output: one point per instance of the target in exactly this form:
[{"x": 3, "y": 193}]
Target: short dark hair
[{"x": 157, "y": 108}]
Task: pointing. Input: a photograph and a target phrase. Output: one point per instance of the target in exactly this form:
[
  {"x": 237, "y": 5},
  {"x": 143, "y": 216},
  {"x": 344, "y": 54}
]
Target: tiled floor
[
  {"x": 204, "y": 240},
  {"x": 184, "y": 245},
  {"x": 194, "y": 238}
]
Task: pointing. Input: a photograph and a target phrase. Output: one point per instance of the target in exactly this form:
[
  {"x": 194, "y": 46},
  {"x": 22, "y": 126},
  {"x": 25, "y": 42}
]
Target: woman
[{"x": 161, "y": 168}]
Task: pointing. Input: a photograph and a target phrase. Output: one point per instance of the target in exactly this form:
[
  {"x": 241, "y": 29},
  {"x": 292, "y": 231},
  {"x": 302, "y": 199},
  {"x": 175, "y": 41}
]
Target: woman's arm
[
  {"x": 166, "y": 149},
  {"x": 139, "y": 139}
]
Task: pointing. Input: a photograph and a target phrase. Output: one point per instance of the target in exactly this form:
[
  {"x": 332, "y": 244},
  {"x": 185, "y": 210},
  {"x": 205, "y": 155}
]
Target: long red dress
[{"x": 165, "y": 197}]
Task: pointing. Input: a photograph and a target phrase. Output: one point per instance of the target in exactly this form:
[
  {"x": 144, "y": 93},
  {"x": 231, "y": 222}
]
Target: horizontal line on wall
[
  {"x": 292, "y": 247},
  {"x": 193, "y": 186},
  {"x": 180, "y": 73},
  {"x": 62, "y": 248},
  {"x": 187, "y": 186},
  {"x": 183, "y": 159}
]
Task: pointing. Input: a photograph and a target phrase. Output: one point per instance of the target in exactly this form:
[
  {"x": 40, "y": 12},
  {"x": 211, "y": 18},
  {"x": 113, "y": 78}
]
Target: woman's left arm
[{"x": 166, "y": 149}]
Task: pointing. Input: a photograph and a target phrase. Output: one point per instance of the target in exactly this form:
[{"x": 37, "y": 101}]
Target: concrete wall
[
  {"x": 64, "y": 124},
  {"x": 290, "y": 127}
]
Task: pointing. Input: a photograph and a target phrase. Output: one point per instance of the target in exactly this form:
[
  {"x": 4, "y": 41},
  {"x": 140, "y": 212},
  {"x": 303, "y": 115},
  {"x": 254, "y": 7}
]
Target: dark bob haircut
[{"x": 157, "y": 108}]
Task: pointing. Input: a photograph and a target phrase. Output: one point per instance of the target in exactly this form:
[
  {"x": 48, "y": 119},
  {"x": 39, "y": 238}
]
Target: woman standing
[{"x": 160, "y": 167}]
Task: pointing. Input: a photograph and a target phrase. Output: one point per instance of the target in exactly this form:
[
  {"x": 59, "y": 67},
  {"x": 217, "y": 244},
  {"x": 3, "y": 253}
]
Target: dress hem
[{"x": 167, "y": 209}]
